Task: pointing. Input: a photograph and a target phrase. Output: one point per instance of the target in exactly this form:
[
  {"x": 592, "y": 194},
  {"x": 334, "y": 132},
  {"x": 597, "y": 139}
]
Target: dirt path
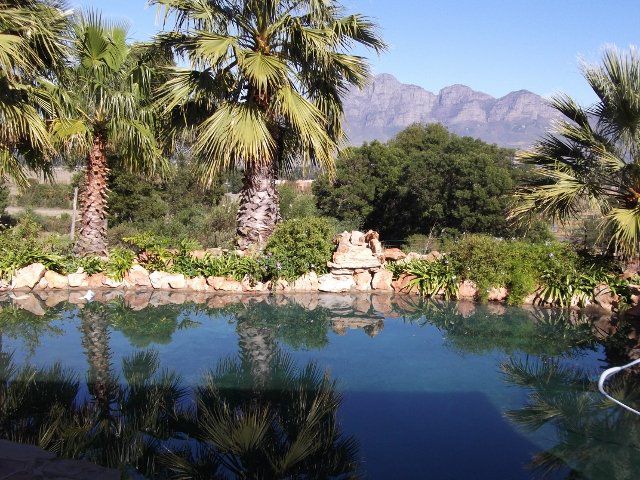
[{"x": 45, "y": 212}]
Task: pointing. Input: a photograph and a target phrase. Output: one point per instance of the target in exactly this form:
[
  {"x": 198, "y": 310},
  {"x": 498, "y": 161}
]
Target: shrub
[
  {"x": 119, "y": 263},
  {"x": 299, "y": 246},
  {"x": 294, "y": 204},
  {"x": 4, "y": 196},
  {"x": 45, "y": 195},
  {"x": 433, "y": 278}
]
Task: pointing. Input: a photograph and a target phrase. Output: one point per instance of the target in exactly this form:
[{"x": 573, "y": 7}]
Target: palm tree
[
  {"x": 105, "y": 108},
  {"x": 262, "y": 90},
  {"x": 592, "y": 159},
  {"x": 31, "y": 48}
]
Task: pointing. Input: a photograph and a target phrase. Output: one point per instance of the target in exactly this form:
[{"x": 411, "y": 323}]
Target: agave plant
[
  {"x": 32, "y": 34},
  {"x": 105, "y": 107},
  {"x": 592, "y": 158},
  {"x": 262, "y": 91}
]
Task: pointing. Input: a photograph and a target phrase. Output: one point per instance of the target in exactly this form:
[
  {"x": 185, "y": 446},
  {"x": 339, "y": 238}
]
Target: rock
[
  {"x": 403, "y": 284},
  {"x": 42, "y": 284},
  {"x": 56, "y": 280},
  {"x": 198, "y": 284},
  {"x": 158, "y": 280},
  {"x": 78, "y": 280},
  {"x": 393, "y": 254},
  {"x": 198, "y": 254},
  {"x": 497, "y": 294},
  {"x": 376, "y": 247},
  {"x": 215, "y": 282},
  {"x": 605, "y": 298},
  {"x": 112, "y": 282},
  {"x": 56, "y": 297},
  {"x": 357, "y": 238},
  {"x": 467, "y": 290},
  {"x": 138, "y": 276},
  {"x": 371, "y": 235},
  {"x": 412, "y": 257},
  {"x": 363, "y": 281},
  {"x": 306, "y": 283},
  {"x": 356, "y": 257},
  {"x": 258, "y": 287},
  {"x": 230, "y": 285},
  {"x": 78, "y": 298},
  {"x": 382, "y": 304},
  {"x": 433, "y": 256},
  {"x": 282, "y": 286},
  {"x": 382, "y": 280},
  {"x": 465, "y": 308},
  {"x": 138, "y": 300},
  {"x": 335, "y": 284},
  {"x": 28, "y": 277},
  {"x": 97, "y": 280},
  {"x": 177, "y": 281},
  {"x": 214, "y": 252}
]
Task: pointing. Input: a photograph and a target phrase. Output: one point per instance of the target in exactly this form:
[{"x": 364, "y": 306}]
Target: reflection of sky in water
[{"x": 414, "y": 399}]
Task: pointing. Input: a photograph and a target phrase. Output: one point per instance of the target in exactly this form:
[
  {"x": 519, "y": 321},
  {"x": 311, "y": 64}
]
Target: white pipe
[{"x": 611, "y": 371}]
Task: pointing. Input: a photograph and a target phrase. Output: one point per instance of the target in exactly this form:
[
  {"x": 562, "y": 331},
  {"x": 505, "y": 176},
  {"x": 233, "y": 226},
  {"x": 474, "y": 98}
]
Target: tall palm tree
[
  {"x": 592, "y": 158},
  {"x": 31, "y": 49},
  {"x": 106, "y": 108},
  {"x": 263, "y": 90}
]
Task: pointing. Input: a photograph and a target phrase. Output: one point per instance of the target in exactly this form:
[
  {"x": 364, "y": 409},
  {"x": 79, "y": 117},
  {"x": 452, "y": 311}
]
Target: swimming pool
[{"x": 324, "y": 386}]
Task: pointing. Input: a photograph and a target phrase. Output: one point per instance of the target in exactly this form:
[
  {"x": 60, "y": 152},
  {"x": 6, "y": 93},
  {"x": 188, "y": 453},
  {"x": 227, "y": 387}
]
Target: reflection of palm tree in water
[
  {"x": 595, "y": 438},
  {"x": 257, "y": 346},
  {"x": 95, "y": 340}
]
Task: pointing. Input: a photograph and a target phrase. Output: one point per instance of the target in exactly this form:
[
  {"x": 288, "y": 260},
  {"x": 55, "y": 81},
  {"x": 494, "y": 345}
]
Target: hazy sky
[{"x": 495, "y": 46}]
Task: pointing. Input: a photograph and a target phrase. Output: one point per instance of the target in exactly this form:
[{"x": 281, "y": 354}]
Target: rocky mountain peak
[{"x": 387, "y": 106}]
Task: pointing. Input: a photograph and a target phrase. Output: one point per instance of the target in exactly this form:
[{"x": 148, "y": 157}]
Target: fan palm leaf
[
  {"x": 591, "y": 159},
  {"x": 267, "y": 77}
]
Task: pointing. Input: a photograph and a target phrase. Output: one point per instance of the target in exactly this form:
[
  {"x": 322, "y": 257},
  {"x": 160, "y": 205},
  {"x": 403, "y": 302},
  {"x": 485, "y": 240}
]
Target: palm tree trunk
[
  {"x": 92, "y": 238},
  {"x": 259, "y": 210}
]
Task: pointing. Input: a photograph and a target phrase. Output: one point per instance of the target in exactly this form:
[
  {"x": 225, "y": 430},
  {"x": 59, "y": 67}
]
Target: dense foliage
[
  {"x": 590, "y": 160},
  {"x": 425, "y": 180},
  {"x": 301, "y": 245},
  {"x": 552, "y": 270}
]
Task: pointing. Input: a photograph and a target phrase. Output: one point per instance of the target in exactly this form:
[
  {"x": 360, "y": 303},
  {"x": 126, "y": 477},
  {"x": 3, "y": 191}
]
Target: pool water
[{"x": 329, "y": 386}]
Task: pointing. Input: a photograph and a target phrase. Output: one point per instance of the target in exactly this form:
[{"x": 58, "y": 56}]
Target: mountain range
[{"x": 386, "y": 106}]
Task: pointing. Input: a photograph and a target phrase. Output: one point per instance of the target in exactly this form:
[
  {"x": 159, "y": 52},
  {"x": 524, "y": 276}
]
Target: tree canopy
[{"x": 424, "y": 180}]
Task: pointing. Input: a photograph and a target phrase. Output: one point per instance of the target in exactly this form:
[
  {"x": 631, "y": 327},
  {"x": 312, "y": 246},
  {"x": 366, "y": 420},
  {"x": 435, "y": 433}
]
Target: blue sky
[{"x": 495, "y": 46}]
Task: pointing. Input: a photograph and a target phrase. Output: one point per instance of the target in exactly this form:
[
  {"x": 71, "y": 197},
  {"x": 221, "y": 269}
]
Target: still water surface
[{"x": 319, "y": 387}]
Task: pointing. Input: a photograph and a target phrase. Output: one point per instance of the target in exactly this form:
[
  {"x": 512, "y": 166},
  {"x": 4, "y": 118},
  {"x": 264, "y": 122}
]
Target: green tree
[
  {"x": 426, "y": 180},
  {"x": 31, "y": 48},
  {"x": 591, "y": 160},
  {"x": 106, "y": 106},
  {"x": 263, "y": 90}
]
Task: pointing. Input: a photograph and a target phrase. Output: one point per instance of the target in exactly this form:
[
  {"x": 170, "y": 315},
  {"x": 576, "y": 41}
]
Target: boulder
[
  {"x": 177, "y": 281},
  {"x": 363, "y": 281},
  {"x": 28, "y": 277},
  {"x": 335, "y": 283},
  {"x": 112, "y": 282},
  {"x": 230, "y": 285},
  {"x": 357, "y": 238},
  {"x": 306, "y": 283},
  {"x": 97, "y": 280},
  {"x": 403, "y": 284},
  {"x": 433, "y": 256},
  {"x": 158, "y": 280},
  {"x": 78, "y": 280},
  {"x": 382, "y": 280},
  {"x": 138, "y": 276},
  {"x": 198, "y": 254},
  {"x": 215, "y": 282},
  {"x": 356, "y": 257},
  {"x": 42, "y": 284},
  {"x": 248, "y": 286},
  {"x": 198, "y": 284},
  {"x": 393, "y": 254},
  {"x": 412, "y": 257},
  {"x": 282, "y": 286},
  {"x": 497, "y": 294},
  {"x": 605, "y": 298},
  {"x": 467, "y": 290}
]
